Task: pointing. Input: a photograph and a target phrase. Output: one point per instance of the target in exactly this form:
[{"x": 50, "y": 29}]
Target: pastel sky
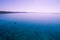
[{"x": 30, "y": 5}]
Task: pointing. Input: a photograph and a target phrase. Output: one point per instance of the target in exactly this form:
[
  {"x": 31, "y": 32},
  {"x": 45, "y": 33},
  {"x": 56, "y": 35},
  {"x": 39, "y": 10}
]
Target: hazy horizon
[{"x": 52, "y": 6}]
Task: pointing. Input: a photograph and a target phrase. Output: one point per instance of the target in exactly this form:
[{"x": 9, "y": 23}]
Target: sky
[{"x": 30, "y": 5}]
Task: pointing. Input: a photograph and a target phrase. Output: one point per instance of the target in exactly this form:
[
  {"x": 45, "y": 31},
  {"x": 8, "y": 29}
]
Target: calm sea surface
[{"x": 30, "y": 26}]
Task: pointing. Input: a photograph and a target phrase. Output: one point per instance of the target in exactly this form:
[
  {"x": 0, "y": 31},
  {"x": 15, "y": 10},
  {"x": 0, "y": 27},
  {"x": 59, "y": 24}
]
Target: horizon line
[{"x": 23, "y": 12}]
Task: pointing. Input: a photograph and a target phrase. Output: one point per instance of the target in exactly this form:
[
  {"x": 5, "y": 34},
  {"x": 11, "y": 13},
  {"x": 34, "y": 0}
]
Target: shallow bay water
[{"x": 30, "y": 26}]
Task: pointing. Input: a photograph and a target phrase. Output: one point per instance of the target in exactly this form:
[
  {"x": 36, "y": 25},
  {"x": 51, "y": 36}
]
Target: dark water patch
[{"x": 14, "y": 22}]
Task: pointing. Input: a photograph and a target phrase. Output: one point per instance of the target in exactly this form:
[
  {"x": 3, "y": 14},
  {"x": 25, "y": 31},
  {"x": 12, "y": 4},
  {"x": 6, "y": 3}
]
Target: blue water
[{"x": 30, "y": 26}]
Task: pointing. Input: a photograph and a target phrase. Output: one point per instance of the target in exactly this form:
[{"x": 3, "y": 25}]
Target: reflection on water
[{"x": 29, "y": 26}]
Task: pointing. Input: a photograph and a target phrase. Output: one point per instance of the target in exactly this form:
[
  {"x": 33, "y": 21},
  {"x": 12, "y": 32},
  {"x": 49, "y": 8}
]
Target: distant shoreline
[
  {"x": 2, "y": 12},
  {"x": 6, "y": 12}
]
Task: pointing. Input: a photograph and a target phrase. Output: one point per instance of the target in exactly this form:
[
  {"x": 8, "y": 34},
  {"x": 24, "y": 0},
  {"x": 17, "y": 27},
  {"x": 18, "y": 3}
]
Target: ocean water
[{"x": 30, "y": 26}]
